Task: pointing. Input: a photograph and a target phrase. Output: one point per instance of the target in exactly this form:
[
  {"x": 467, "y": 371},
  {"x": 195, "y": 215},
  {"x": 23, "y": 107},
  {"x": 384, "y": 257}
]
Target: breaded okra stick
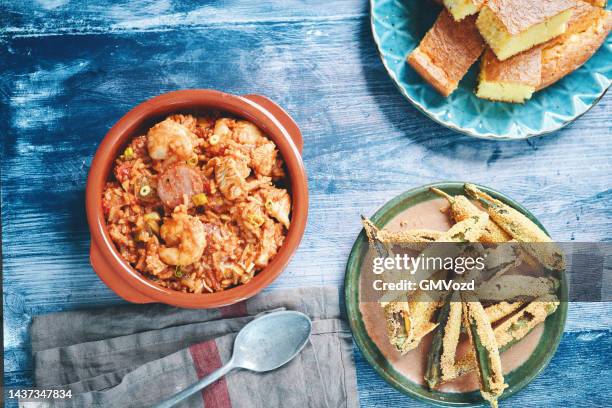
[
  {"x": 408, "y": 321},
  {"x": 514, "y": 329},
  {"x": 517, "y": 287},
  {"x": 372, "y": 233},
  {"x": 462, "y": 208},
  {"x": 441, "y": 356},
  {"x": 501, "y": 310},
  {"x": 482, "y": 337},
  {"x": 411, "y": 239},
  {"x": 468, "y": 230},
  {"x": 409, "y": 318},
  {"x": 520, "y": 228}
]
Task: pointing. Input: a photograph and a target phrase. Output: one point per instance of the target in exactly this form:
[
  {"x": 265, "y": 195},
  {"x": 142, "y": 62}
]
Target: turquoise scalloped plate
[{"x": 399, "y": 25}]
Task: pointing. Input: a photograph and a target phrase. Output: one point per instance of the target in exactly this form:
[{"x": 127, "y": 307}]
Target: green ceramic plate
[
  {"x": 516, "y": 380},
  {"x": 399, "y": 25}
]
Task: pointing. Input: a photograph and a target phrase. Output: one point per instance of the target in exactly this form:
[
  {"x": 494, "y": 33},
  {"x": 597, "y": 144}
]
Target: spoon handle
[{"x": 192, "y": 389}]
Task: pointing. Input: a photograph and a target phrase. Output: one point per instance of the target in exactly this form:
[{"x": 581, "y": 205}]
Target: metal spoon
[{"x": 264, "y": 344}]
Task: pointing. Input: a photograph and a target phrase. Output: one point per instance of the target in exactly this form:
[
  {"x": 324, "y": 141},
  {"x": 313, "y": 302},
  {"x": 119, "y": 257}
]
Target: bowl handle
[
  {"x": 282, "y": 116},
  {"x": 114, "y": 282}
]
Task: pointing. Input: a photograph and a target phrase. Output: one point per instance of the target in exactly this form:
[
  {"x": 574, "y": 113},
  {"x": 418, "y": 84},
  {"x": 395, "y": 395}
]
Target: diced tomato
[
  {"x": 122, "y": 171},
  {"x": 139, "y": 145},
  {"x": 105, "y": 208},
  {"x": 207, "y": 188}
]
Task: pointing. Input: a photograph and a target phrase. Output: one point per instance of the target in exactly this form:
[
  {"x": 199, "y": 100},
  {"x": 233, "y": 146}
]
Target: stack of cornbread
[{"x": 523, "y": 45}]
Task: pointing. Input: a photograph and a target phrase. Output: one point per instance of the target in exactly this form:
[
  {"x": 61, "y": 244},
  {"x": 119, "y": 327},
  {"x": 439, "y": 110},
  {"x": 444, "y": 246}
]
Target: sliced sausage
[{"x": 177, "y": 181}]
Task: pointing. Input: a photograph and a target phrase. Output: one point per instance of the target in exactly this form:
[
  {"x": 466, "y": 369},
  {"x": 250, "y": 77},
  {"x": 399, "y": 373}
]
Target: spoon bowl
[
  {"x": 270, "y": 341},
  {"x": 265, "y": 344}
]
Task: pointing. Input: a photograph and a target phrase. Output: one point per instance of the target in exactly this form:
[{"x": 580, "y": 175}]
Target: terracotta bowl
[{"x": 118, "y": 274}]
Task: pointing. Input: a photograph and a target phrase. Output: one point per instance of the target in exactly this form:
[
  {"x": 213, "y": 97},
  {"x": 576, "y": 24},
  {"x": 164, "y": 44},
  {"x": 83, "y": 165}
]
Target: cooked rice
[{"x": 245, "y": 216}]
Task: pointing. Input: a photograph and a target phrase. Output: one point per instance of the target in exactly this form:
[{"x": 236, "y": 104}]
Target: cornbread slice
[
  {"x": 569, "y": 52},
  {"x": 460, "y": 9},
  {"x": 598, "y": 3},
  {"x": 513, "y": 80},
  {"x": 512, "y": 26},
  {"x": 584, "y": 15},
  {"x": 447, "y": 51}
]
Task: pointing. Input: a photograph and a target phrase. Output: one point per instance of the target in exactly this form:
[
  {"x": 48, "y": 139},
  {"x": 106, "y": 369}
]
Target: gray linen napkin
[{"x": 135, "y": 356}]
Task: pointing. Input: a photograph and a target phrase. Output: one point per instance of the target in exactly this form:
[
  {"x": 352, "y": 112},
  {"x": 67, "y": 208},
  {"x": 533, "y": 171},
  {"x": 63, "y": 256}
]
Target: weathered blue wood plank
[
  {"x": 56, "y": 17},
  {"x": 71, "y": 69},
  {"x": 576, "y": 376}
]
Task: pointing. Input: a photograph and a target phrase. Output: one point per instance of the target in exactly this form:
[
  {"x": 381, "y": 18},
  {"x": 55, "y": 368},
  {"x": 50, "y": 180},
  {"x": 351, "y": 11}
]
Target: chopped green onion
[
  {"x": 178, "y": 272},
  {"x": 199, "y": 199},
  {"x": 152, "y": 216},
  {"x": 214, "y": 139},
  {"x": 145, "y": 191},
  {"x": 128, "y": 153}
]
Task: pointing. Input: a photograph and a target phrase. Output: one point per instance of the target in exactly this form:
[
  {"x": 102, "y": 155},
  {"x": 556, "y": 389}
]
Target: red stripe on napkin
[
  {"x": 236, "y": 310},
  {"x": 206, "y": 359}
]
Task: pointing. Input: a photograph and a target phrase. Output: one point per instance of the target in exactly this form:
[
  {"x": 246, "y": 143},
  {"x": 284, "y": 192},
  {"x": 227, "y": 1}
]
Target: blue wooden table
[{"x": 70, "y": 69}]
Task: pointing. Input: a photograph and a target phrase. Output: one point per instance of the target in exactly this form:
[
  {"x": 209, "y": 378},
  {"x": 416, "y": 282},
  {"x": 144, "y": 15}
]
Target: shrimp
[
  {"x": 230, "y": 176},
  {"x": 263, "y": 159},
  {"x": 223, "y": 128},
  {"x": 278, "y": 205},
  {"x": 189, "y": 121},
  {"x": 170, "y": 140},
  {"x": 269, "y": 242},
  {"x": 240, "y": 131},
  {"x": 247, "y": 133},
  {"x": 185, "y": 237},
  {"x": 245, "y": 141}
]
